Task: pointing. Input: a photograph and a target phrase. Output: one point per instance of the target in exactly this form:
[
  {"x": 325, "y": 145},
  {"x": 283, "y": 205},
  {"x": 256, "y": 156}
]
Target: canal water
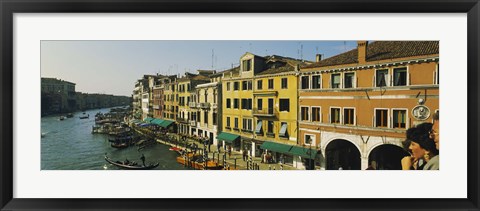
[{"x": 70, "y": 145}]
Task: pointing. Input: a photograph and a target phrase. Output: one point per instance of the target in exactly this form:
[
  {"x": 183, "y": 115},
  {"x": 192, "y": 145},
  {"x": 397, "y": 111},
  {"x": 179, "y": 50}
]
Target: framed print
[{"x": 239, "y": 105}]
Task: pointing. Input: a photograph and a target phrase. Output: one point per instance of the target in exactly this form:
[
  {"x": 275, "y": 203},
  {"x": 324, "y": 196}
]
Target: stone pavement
[{"x": 240, "y": 163}]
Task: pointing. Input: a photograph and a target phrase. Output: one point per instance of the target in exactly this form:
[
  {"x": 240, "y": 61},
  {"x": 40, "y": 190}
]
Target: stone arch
[
  {"x": 386, "y": 156},
  {"x": 342, "y": 154}
]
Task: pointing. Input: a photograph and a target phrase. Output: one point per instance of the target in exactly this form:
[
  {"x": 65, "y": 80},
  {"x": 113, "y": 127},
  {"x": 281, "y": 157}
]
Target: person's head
[
  {"x": 435, "y": 132},
  {"x": 419, "y": 142},
  {"x": 373, "y": 164}
]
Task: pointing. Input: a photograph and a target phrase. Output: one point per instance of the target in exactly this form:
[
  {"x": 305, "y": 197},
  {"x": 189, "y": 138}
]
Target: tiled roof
[
  {"x": 287, "y": 64},
  {"x": 235, "y": 71},
  {"x": 381, "y": 50}
]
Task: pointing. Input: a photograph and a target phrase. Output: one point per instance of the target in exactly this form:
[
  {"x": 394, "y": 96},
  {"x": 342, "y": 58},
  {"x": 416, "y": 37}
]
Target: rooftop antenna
[
  {"x": 212, "y": 57},
  {"x": 317, "y": 50},
  {"x": 301, "y": 52},
  {"x": 344, "y": 46}
]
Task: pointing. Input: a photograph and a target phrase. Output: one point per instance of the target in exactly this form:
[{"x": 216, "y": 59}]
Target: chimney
[
  {"x": 362, "y": 51},
  {"x": 318, "y": 57}
]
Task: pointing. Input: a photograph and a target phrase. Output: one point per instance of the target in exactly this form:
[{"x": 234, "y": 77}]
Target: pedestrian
[
  {"x": 244, "y": 155},
  {"x": 372, "y": 166},
  {"x": 281, "y": 166},
  {"x": 219, "y": 147},
  {"x": 143, "y": 159},
  {"x": 229, "y": 151}
]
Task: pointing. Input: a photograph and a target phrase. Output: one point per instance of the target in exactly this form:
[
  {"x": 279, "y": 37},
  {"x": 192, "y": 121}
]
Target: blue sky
[{"x": 112, "y": 67}]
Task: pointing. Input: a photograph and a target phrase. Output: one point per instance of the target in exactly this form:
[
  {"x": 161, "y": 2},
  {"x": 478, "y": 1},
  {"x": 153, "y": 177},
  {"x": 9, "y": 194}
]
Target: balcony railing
[
  {"x": 182, "y": 120},
  {"x": 265, "y": 112},
  {"x": 214, "y": 105},
  {"x": 205, "y": 105},
  {"x": 192, "y": 104}
]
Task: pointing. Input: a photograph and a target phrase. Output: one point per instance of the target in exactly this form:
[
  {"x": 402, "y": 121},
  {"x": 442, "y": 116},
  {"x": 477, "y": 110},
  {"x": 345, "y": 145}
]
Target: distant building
[{"x": 57, "y": 96}]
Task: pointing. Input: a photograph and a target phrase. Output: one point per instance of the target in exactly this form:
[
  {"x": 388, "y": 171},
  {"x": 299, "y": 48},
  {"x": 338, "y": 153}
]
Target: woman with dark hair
[{"x": 420, "y": 146}]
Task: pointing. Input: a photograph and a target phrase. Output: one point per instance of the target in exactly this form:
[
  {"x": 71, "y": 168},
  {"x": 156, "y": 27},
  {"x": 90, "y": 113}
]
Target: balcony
[
  {"x": 182, "y": 120},
  {"x": 214, "y": 105},
  {"x": 267, "y": 112},
  {"x": 192, "y": 104},
  {"x": 205, "y": 105}
]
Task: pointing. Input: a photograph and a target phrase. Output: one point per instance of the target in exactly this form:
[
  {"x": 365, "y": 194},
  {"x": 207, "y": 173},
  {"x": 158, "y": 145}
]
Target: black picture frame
[{"x": 9, "y": 7}]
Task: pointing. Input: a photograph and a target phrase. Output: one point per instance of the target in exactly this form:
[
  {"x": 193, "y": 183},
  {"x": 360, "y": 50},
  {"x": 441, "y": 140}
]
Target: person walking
[
  {"x": 143, "y": 159},
  {"x": 219, "y": 147},
  {"x": 229, "y": 151}
]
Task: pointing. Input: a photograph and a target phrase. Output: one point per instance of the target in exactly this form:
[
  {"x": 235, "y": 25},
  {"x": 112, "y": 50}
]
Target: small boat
[
  {"x": 119, "y": 146},
  {"x": 62, "y": 118},
  {"x": 84, "y": 116},
  {"x": 176, "y": 149},
  {"x": 69, "y": 115},
  {"x": 43, "y": 135},
  {"x": 130, "y": 165}
]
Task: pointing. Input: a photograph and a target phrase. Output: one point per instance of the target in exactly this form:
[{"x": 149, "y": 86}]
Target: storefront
[{"x": 229, "y": 140}]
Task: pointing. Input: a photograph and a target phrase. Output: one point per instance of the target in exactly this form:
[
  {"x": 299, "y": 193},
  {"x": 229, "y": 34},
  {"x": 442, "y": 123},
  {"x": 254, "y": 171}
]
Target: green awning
[
  {"x": 157, "y": 122},
  {"x": 276, "y": 147},
  {"x": 303, "y": 152},
  {"x": 148, "y": 119},
  {"x": 228, "y": 137},
  {"x": 166, "y": 123}
]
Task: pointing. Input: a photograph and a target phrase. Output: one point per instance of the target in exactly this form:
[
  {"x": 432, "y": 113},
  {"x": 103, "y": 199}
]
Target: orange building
[{"x": 355, "y": 107}]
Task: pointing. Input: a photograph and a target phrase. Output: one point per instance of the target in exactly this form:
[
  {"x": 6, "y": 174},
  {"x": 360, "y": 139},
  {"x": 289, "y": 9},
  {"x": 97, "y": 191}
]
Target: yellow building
[
  {"x": 355, "y": 107},
  {"x": 260, "y": 105}
]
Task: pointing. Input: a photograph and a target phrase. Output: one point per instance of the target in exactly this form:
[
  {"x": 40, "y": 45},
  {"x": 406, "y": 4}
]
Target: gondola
[{"x": 132, "y": 165}]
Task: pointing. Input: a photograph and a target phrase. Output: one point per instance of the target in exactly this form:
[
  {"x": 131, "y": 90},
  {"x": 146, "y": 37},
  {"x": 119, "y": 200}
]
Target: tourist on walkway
[
  {"x": 219, "y": 147},
  {"x": 143, "y": 159},
  {"x": 229, "y": 151},
  {"x": 244, "y": 155}
]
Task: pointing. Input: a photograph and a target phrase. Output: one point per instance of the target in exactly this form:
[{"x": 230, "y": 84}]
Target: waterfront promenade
[{"x": 235, "y": 157}]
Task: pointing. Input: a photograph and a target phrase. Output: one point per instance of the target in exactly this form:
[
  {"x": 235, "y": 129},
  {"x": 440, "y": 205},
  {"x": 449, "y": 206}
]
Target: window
[
  {"x": 284, "y": 104},
  {"x": 258, "y": 129},
  {"x": 270, "y": 127},
  {"x": 283, "y": 130},
  {"x": 236, "y": 122},
  {"x": 244, "y": 104},
  {"x": 400, "y": 76},
  {"x": 247, "y": 65},
  {"x": 305, "y": 82},
  {"x": 309, "y": 139},
  {"x": 236, "y": 85},
  {"x": 316, "y": 80},
  {"x": 249, "y": 101},
  {"x": 349, "y": 80},
  {"x": 348, "y": 116},
  {"x": 244, "y": 85},
  {"x": 381, "y": 117},
  {"x": 228, "y": 86},
  {"x": 259, "y": 84},
  {"x": 247, "y": 124},
  {"x": 315, "y": 114},
  {"x": 381, "y": 78},
  {"x": 249, "y": 85},
  {"x": 270, "y": 83},
  {"x": 229, "y": 103},
  {"x": 335, "y": 115},
  {"x": 235, "y": 103},
  {"x": 284, "y": 83},
  {"x": 399, "y": 118},
  {"x": 205, "y": 119},
  {"x": 304, "y": 113},
  {"x": 260, "y": 104},
  {"x": 335, "y": 80},
  {"x": 228, "y": 122}
]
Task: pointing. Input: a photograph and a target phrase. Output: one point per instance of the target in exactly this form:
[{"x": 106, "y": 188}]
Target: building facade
[
  {"x": 57, "y": 96},
  {"x": 355, "y": 107}
]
